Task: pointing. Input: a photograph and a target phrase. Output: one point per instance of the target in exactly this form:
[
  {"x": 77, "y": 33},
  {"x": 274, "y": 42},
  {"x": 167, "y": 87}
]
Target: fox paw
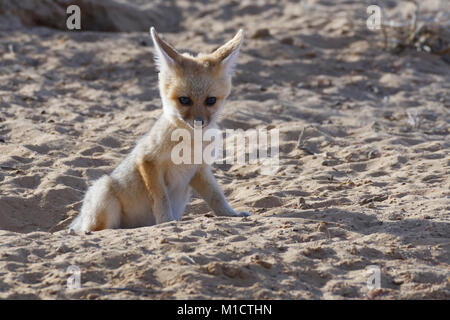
[
  {"x": 165, "y": 218},
  {"x": 243, "y": 214}
]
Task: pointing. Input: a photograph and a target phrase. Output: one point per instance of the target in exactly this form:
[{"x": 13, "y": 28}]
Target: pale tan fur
[{"x": 147, "y": 187}]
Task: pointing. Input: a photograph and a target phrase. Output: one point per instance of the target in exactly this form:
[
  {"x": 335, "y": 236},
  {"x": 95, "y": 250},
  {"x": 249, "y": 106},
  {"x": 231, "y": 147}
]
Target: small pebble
[{"x": 261, "y": 33}]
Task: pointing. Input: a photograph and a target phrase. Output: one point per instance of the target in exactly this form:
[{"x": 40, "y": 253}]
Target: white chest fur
[{"x": 177, "y": 180}]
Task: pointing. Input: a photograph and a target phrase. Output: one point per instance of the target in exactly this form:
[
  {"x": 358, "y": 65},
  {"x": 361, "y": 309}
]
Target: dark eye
[
  {"x": 210, "y": 101},
  {"x": 185, "y": 101}
]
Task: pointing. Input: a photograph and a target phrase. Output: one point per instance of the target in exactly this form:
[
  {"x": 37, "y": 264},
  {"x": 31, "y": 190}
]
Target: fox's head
[{"x": 195, "y": 88}]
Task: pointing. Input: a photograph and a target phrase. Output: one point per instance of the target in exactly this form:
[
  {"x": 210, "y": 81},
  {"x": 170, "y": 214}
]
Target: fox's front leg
[
  {"x": 157, "y": 191},
  {"x": 205, "y": 184}
]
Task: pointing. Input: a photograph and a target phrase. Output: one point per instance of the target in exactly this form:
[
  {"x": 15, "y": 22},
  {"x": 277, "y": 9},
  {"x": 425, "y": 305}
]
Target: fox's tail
[{"x": 100, "y": 210}]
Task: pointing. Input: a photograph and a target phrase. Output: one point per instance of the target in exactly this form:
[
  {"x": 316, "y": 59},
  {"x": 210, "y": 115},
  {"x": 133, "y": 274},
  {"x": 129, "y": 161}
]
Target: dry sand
[{"x": 375, "y": 191}]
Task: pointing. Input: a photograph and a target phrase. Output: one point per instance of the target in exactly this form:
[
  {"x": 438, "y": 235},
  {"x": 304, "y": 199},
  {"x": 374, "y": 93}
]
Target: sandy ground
[{"x": 370, "y": 186}]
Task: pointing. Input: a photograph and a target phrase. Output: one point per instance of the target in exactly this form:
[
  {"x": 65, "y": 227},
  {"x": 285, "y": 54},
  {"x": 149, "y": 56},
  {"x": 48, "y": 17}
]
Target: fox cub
[{"x": 147, "y": 188}]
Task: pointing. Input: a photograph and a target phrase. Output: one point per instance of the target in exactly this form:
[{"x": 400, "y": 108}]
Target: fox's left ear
[
  {"x": 165, "y": 54},
  {"x": 229, "y": 52}
]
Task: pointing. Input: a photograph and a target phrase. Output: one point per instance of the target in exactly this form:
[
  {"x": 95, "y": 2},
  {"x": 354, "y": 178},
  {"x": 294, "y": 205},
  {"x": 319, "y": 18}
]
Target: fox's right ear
[
  {"x": 228, "y": 53},
  {"x": 165, "y": 54}
]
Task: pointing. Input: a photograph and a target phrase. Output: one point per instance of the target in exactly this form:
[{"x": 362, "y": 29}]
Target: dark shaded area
[{"x": 96, "y": 15}]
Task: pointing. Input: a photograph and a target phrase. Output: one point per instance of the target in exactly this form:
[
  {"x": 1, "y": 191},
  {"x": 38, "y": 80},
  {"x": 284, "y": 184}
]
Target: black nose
[{"x": 199, "y": 119}]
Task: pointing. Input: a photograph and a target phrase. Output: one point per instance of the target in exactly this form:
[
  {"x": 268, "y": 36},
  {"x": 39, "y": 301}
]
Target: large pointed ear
[
  {"x": 228, "y": 53},
  {"x": 165, "y": 54}
]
